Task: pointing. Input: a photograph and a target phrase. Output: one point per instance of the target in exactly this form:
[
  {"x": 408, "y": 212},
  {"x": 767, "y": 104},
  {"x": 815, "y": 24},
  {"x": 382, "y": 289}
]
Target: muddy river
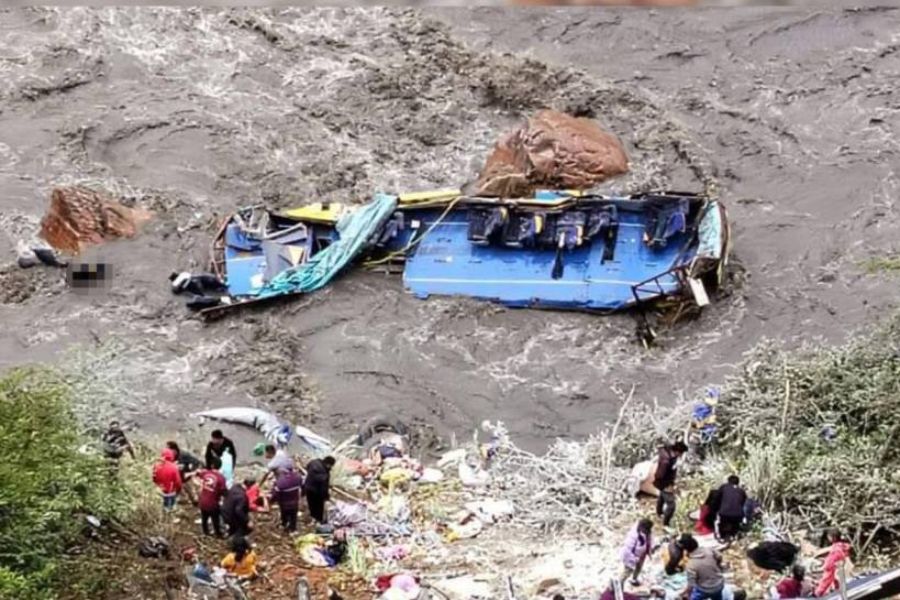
[{"x": 789, "y": 114}]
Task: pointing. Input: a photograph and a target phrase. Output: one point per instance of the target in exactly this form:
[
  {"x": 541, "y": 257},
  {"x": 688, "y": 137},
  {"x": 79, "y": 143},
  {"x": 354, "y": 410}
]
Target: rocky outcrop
[
  {"x": 79, "y": 217},
  {"x": 552, "y": 150}
]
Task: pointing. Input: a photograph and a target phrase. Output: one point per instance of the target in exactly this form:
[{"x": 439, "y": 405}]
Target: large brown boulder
[
  {"x": 551, "y": 150},
  {"x": 79, "y": 217},
  {"x": 602, "y": 2}
]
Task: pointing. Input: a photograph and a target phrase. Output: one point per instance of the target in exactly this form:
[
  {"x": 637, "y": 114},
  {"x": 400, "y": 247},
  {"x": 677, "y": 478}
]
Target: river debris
[{"x": 560, "y": 249}]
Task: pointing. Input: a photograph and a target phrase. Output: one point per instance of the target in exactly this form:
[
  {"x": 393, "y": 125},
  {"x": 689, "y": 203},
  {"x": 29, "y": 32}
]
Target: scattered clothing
[
  {"x": 246, "y": 567},
  {"x": 236, "y": 511},
  {"x": 840, "y": 551},
  {"x": 773, "y": 556},
  {"x": 704, "y": 574},
  {"x": 706, "y": 524},
  {"x": 286, "y": 493},
  {"x": 213, "y": 450}
]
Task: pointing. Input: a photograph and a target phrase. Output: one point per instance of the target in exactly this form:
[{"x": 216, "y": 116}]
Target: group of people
[
  {"x": 226, "y": 507},
  {"x": 723, "y": 516}
]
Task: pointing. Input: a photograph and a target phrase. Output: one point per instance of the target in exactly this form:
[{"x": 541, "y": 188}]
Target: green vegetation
[
  {"x": 50, "y": 481},
  {"x": 881, "y": 264},
  {"x": 818, "y": 431}
]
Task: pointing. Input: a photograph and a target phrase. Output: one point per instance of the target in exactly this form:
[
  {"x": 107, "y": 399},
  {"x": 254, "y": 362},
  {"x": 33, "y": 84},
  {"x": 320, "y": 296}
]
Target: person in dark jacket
[
  {"x": 676, "y": 554},
  {"x": 217, "y": 445},
  {"x": 664, "y": 479},
  {"x": 188, "y": 465},
  {"x": 236, "y": 510},
  {"x": 730, "y": 509},
  {"x": 115, "y": 444},
  {"x": 316, "y": 487},
  {"x": 286, "y": 493}
]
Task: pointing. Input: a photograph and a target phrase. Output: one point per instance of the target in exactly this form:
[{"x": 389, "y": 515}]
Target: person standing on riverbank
[
  {"x": 188, "y": 465},
  {"x": 286, "y": 493},
  {"x": 167, "y": 479},
  {"x": 278, "y": 460},
  {"x": 236, "y": 510},
  {"x": 115, "y": 444},
  {"x": 636, "y": 549},
  {"x": 218, "y": 445},
  {"x": 317, "y": 486},
  {"x": 664, "y": 479},
  {"x": 212, "y": 490}
]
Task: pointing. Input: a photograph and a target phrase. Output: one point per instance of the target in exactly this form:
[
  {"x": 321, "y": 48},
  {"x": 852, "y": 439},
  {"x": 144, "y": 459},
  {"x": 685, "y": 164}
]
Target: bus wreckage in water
[{"x": 563, "y": 250}]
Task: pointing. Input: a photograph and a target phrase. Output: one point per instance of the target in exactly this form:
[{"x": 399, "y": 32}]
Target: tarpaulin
[{"x": 355, "y": 230}]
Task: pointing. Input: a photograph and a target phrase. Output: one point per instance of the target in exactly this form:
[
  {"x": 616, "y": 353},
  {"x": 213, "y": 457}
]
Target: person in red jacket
[
  {"x": 168, "y": 479},
  {"x": 838, "y": 553},
  {"x": 212, "y": 490}
]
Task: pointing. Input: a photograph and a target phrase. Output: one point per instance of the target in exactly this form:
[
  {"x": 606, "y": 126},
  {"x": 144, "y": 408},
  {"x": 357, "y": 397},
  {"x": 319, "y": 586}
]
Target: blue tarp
[{"x": 355, "y": 230}]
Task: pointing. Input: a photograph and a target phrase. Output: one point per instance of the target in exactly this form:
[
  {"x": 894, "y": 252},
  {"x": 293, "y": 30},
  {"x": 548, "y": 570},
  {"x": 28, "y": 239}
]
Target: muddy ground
[{"x": 789, "y": 114}]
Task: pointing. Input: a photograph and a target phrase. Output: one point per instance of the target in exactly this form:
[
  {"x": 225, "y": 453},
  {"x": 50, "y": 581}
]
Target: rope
[{"x": 413, "y": 242}]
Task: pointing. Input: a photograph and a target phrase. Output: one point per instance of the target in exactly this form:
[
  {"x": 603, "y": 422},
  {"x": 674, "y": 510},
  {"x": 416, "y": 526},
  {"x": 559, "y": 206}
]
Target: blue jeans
[
  {"x": 169, "y": 501},
  {"x": 700, "y": 595}
]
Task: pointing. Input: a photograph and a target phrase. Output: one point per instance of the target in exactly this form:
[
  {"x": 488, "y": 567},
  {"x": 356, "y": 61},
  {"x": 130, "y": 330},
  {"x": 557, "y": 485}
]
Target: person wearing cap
[{"x": 167, "y": 478}]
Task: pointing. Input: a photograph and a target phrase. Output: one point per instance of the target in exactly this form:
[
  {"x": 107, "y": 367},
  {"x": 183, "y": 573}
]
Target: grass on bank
[{"x": 52, "y": 477}]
